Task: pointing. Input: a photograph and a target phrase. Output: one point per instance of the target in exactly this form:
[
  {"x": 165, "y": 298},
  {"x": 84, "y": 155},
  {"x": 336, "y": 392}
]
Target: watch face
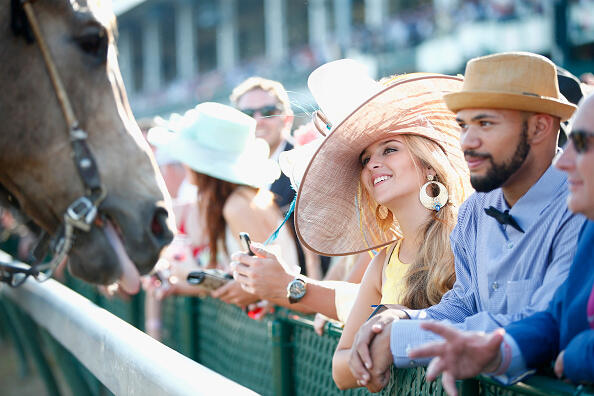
[{"x": 297, "y": 289}]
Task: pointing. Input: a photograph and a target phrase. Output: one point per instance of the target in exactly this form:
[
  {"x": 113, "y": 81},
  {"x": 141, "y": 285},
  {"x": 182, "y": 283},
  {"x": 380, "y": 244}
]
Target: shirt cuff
[
  {"x": 418, "y": 314},
  {"x": 405, "y": 335},
  {"x": 512, "y": 367}
]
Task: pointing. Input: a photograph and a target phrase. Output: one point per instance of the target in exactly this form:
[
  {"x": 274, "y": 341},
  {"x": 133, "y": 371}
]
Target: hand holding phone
[
  {"x": 209, "y": 279},
  {"x": 244, "y": 237}
]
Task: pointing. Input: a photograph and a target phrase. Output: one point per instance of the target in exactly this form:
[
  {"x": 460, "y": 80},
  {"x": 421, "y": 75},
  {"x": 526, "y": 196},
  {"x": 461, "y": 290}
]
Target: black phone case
[{"x": 208, "y": 279}]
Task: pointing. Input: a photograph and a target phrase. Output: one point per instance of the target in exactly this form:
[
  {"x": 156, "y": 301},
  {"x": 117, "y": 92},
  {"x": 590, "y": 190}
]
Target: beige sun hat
[
  {"x": 331, "y": 215},
  {"x": 512, "y": 80}
]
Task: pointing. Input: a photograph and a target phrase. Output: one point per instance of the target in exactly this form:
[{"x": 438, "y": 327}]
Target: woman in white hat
[
  {"x": 389, "y": 174},
  {"x": 231, "y": 169}
]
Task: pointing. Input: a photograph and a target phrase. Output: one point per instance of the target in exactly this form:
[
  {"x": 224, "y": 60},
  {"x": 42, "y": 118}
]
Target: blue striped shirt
[{"x": 502, "y": 275}]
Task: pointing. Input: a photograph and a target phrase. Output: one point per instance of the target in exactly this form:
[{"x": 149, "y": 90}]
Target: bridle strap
[
  {"x": 71, "y": 120},
  {"x": 81, "y": 214}
]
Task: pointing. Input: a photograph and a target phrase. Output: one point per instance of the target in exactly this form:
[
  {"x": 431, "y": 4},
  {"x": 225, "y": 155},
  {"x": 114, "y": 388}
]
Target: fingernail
[{"x": 368, "y": 365}]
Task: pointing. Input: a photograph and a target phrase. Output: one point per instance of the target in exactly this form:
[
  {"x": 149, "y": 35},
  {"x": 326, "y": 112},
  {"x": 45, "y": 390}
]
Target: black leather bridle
[{"x": 80, "y": 214}]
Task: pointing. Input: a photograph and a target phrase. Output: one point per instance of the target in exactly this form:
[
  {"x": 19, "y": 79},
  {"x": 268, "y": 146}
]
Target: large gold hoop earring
[{"x": 437, "y": 202}]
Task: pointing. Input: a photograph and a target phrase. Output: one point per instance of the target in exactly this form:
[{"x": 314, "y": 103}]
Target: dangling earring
[
  {"x": 381, "y": 212},
  {"x": 437, "y": 202},
  {"x": 384, "y": 217}
]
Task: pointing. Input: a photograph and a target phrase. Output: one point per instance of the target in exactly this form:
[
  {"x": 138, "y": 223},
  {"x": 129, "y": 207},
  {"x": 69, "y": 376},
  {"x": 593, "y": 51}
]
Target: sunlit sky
[{"x": 120, "y": 6}]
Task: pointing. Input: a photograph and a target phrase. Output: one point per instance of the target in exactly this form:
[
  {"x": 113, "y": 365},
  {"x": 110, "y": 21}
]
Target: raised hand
[
  {"x": 262, "y": 274},
  {"x": 460, "y": 355}
]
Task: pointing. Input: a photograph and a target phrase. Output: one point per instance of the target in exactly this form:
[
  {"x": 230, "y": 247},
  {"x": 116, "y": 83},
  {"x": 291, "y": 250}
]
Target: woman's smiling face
[
  {"x": 389, "y": 172},
  {"x": 579, "y": 166}
]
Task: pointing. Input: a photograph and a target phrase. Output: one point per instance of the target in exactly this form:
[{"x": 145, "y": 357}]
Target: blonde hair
[
  {"x": 273, "y": 87},
  {"x": 432, "y": 272}
]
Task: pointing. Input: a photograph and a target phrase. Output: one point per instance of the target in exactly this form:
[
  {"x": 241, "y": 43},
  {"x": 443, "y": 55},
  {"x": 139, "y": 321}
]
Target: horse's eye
[{"x": 94, "y": 41}]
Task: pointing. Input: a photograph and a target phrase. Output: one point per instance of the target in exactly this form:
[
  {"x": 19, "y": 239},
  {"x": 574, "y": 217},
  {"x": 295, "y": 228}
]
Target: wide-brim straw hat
[
  {"x": 513, "y": 81},
  {"x": 331, "y": 216},
  {"x": 219, "y": 141}
]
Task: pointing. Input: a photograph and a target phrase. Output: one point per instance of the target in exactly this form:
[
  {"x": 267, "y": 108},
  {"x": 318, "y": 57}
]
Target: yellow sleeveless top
[{"x": 392, "y": 285}]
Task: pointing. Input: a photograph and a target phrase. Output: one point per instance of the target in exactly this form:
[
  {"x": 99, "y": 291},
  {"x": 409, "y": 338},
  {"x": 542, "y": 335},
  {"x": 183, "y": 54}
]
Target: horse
[{"x": 90, "y": 162}]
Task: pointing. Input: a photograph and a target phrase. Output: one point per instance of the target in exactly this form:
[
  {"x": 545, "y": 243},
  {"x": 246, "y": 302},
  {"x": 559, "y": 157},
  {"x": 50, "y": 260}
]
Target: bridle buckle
[{"x": 81, "y": 213}]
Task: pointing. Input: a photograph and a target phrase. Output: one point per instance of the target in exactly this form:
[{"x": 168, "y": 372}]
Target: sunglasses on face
[
  {"x": 265, "y": 111},
  {"x": 580, "y": 140}
]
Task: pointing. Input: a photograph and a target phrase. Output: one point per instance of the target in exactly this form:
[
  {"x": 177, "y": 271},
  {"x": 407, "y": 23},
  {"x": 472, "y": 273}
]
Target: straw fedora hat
[
  {"x": 514, "y": 81},
  {"x": 330, "y": 215},
  {"x": 219, "y": 141}
]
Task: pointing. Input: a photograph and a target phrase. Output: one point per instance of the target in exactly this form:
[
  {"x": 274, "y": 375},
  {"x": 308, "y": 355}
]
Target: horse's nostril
[{"x": 159, "y": 227}]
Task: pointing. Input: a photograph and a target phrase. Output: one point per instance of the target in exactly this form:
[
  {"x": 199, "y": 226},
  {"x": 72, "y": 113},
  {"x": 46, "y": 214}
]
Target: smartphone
[
  {"x": 209, "y": 279},
  {"x": 244, "y": 237}
]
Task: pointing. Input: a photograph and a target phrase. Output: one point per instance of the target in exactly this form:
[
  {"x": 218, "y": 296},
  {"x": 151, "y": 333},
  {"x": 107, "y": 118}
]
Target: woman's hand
[
  {"x": 262, "y": 274},
  {"x": 232, "y": 293}
]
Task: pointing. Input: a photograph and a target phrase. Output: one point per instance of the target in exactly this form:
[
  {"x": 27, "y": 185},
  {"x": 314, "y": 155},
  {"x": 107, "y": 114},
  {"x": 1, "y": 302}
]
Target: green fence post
[
  {"x": 281, "y": 371},
  {"x": 469, "y": 387}
]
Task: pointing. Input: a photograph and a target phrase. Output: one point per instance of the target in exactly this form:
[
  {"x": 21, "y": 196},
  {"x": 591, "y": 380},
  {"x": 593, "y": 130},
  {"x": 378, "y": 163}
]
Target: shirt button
[
  {"x": 510, "y": 245},
  {"x": 412, "y": 363},
  {"x": 495, "y": 286}
]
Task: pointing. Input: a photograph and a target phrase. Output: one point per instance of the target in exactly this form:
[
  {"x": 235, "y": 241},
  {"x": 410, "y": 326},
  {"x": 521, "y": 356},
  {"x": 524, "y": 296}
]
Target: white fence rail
[{"x": 124, "y": 359}]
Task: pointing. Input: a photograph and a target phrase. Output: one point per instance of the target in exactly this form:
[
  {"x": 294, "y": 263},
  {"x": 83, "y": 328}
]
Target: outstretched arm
[{"x": 460, "y": 354}]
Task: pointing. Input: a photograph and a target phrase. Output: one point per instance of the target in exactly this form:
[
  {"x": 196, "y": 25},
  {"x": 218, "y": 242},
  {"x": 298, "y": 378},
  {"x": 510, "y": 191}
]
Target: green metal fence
[{"x": 281, "y": 354}]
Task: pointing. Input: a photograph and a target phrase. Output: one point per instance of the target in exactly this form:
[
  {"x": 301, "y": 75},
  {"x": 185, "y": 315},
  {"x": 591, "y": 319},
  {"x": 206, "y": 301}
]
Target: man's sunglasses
[
  {"x": 265, "y": 111},
  {"x": 580, "y": 140}
]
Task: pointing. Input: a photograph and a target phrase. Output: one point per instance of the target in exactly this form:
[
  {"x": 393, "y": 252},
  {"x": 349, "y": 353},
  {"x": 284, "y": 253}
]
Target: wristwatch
[{"x": 296, "y": 290}]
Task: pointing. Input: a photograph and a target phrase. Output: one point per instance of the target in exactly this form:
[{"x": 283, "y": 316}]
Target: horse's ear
[{"x": 19, "y": 22}]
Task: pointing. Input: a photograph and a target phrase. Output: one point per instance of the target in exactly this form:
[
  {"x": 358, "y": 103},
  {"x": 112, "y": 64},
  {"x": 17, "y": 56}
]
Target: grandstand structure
[{"x": 176, "y": 53}]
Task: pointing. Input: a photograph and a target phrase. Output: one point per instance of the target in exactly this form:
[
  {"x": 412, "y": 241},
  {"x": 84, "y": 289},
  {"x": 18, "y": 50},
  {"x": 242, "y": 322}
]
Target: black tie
[{"x": 503, "y": 218}]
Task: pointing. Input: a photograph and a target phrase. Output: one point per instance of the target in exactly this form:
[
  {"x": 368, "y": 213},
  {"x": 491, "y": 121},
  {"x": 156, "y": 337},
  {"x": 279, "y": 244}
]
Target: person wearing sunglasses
[
  {"x": 563, "y": 335},
  {"x": 268, "y": 102}
]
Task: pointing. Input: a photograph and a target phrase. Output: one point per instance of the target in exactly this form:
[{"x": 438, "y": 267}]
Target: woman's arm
[{"x": 369, "y": 294}]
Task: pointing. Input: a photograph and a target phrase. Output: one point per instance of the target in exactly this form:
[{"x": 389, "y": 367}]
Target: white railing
[{"x": 124, "y": 359}]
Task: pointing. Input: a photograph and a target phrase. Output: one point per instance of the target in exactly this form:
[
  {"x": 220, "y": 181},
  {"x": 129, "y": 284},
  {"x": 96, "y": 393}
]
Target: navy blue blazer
[{"x": 564, "y": 325}]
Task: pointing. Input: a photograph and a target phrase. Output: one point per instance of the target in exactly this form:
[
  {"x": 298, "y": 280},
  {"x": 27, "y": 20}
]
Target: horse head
[{"x": 36, "y": 155}]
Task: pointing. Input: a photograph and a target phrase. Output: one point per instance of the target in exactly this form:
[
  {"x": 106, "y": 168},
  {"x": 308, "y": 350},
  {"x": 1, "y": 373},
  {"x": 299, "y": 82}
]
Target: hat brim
[
  {"x": 503, "y": 100},
  {"x": 327, "y": 218},
  {"x": 252, "y": 168}
]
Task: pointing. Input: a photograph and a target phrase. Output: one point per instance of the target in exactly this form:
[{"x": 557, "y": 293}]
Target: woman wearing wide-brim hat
[
  {"x": 390, "y": 174},
  {"x": 232, "y": 170}
]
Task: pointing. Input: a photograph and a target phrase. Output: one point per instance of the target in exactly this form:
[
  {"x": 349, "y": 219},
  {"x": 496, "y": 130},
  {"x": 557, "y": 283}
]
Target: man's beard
[{"x": 498, "y": 174}]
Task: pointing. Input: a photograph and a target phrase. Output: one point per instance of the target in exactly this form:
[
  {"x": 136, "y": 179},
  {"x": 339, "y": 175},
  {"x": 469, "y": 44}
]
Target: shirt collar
[{"x": 542, "y": 193}]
